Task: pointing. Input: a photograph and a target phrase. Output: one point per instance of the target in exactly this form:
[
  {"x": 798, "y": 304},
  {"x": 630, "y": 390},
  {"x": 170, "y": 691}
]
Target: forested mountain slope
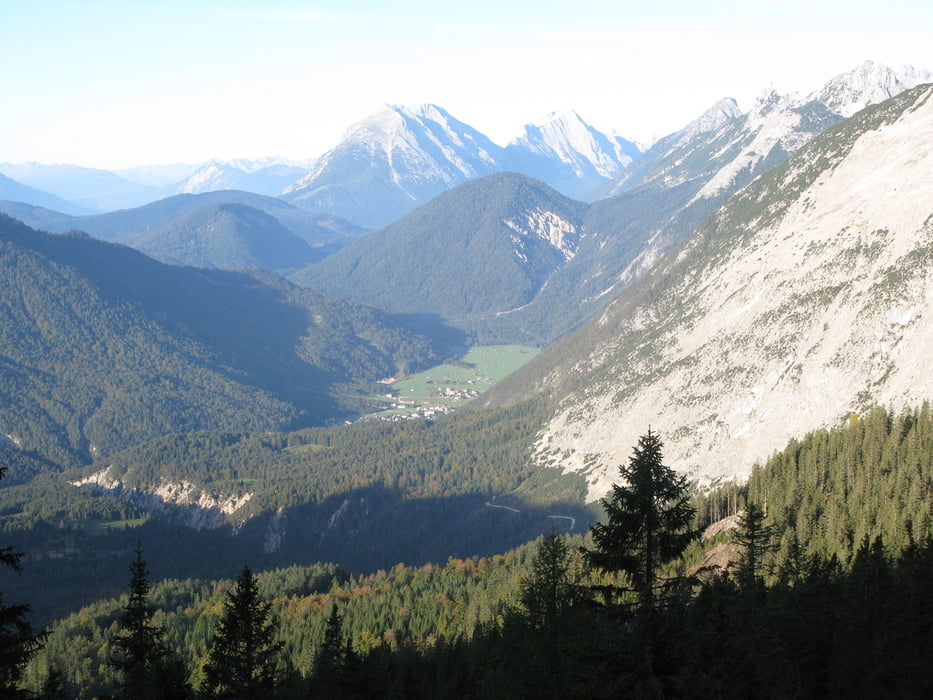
[
  {"x": 155, "y": 224},
  {"x": 482, "y": 248},
  {"x": 363, "y": 496},
  {"x": 103, "y": 347},
  {"x": 837, "y": 604},
  {"x": 229, "y": 237}
]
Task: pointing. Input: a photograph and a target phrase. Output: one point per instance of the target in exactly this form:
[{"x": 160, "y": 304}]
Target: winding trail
[
  {"x": 573, "y": 521},
  {"x": 492, "y": 505}
]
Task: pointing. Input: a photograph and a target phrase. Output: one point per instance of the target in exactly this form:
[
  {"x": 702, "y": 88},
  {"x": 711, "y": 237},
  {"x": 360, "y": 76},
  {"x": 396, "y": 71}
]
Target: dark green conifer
[
  {"x": 146, "y": 662},
  {"x": 754, "y": 539},
  {"x": 336, "y": 663},
  {"x": 648, "y": 522},
  {"x": 546, "y": 591},
  {"x": 244, "y": 655}
]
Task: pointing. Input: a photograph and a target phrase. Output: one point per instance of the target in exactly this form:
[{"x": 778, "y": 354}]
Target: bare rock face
[
  {"x": 867, "y": 84},
  {"x": 181, "y": 502},
  {"x": 808, "y": 297}
]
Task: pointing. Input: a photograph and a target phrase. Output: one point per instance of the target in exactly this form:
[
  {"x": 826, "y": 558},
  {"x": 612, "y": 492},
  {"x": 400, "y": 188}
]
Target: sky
[{"x": 136, "y": 82}]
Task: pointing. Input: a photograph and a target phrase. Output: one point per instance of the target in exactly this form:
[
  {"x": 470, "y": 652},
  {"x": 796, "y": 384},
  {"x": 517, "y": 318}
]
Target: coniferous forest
[{"x": 811, "y": 581}]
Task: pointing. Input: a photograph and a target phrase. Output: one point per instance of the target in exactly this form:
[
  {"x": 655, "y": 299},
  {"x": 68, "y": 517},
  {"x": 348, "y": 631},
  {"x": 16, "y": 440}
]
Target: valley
[
  {"x": 452, "y": 385},
  {"x": 399, "y": 384}
]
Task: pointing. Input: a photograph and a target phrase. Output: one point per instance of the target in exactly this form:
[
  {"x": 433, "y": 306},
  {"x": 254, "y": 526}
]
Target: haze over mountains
[
  {"x": 385, "y": 166},
  {"x": 226, "y": 229},
  {"x": 400, "y": 157}
]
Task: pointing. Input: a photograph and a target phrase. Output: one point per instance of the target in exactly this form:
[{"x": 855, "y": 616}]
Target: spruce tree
[
  {"x": 147, "y": 665},
  {"x": 754, "y": 539},
  {"x": 546, "y": 592},
  {"x": 540, "y": 646},
  {"x": 336, "y": 661},
  {"x": 648, "y": 523},
  {"x": 244, "y": 654}
]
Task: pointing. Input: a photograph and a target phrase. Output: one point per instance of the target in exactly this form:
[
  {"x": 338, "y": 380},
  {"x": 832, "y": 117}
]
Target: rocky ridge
[{"x": 806, "y": 298}]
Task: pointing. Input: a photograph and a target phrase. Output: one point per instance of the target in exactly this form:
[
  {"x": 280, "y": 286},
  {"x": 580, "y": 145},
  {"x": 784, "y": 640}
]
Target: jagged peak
[
  {"x": 214, "y": 164},
  {"x": 723, "y": 111},
  {"x": 565, "y": 122},
  {"x": 560, "y": 116},
  {"x": 392, "y": 116},
  {"x": 768, "y": 100},
  {"x": 566, "y": 136},
  {"x": 425, "y": 110},
  {"x": 392, "y": 125},
  {"x": 868, "y": 83}
]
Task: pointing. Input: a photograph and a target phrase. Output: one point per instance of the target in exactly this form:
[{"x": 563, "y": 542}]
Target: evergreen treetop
[
  {"x": 648, "y": 520},
  {"x": 147, "y": 663},
  {"x": 244, "y": 654}
]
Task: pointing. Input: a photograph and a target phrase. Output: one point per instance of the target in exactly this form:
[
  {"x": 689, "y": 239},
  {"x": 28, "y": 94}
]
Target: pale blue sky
[{"x": 114, "y": 84}]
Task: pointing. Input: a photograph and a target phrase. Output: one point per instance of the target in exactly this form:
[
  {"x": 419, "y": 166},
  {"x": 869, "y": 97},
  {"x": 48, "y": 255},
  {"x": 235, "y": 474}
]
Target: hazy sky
[{"x": 114, "y": 84}]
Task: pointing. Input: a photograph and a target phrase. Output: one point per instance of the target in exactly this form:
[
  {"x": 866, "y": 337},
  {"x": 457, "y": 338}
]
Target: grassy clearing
[
  {"x": 447, "y": 386},
  {"x": 101, "y": 527}
]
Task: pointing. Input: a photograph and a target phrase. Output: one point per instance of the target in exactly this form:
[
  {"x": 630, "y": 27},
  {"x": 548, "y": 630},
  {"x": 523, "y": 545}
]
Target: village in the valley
[
  {"x": 447, "y": 400},
  {"x": 447, "y": 387}
]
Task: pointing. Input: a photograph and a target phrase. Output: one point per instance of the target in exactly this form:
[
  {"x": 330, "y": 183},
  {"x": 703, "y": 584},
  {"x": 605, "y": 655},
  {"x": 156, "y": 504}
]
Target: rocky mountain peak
[
  {"x": 868, "y": 83},
  {"x": 392, "y": 161},
  {"x": 712, "y": 119},
  {"x": 564, "y": 136}
]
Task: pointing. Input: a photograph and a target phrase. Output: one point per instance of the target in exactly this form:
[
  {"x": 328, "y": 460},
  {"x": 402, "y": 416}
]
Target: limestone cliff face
[
  {"x": 179, "y": 502},
  {"x": 807, "y": 297}
]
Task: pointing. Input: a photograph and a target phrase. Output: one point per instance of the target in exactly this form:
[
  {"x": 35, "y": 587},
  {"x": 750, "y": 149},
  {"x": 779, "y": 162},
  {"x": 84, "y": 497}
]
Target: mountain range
[
  {"x": 499, "y": 258},
  {"x": 399, "y": 158},
  {"x": 746, "y": 280},
  {"x": 803, "y": 300},
  {"x": 80, "y": 190},
  {"x": 385, "y": 166},
  {"x": 599, "y": 249},
  {"x": 226, "y": 229}
]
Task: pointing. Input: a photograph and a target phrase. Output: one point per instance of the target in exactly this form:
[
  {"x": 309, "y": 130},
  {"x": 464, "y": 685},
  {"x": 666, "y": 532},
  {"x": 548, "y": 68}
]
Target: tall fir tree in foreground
[
  {"x": 18, "y": 641},
  {"x": 244, "y": 655},
  {"x": 648, "y": 523},
  {"x": 147, "y": 666}
]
